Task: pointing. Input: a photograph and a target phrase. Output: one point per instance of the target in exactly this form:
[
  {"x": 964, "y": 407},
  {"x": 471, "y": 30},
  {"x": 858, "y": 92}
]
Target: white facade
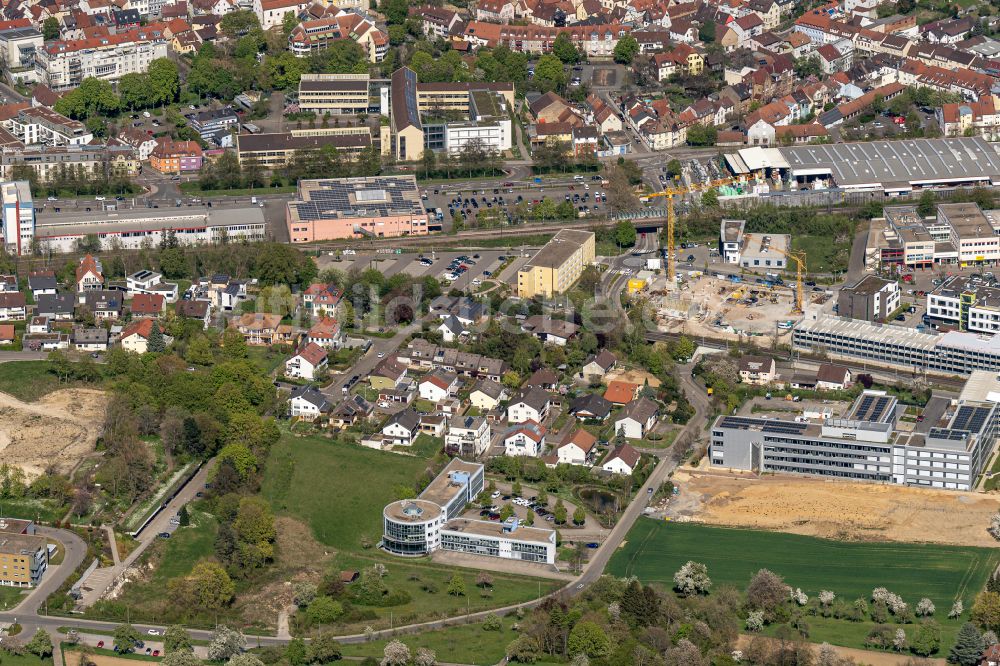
[
  {"x": 63, "y": 65},
  {"x": 18, "y": 216},
  {"x": 299, "y": 367},
  {"x": 520, "y": 443},
  {"x": 398, "y": 434},
  {"x": 571, "y": 454},
  {"x": 135, "y": 343},
  {"x": 302, "y": 408},
  {"x": 468, "y": 434},
  {"x": 490, "y": 135},
  {"x": 519, "y": 412},
  {"x": 617, "y": 466}
]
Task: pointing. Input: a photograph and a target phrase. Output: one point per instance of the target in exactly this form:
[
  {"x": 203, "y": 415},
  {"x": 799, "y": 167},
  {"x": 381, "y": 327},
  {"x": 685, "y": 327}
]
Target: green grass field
[
  {"x": 337, "y": 489},
  {"x": 10, "y": 597},
  {"x": 822, "y": 254},
  {"x": 25, "y": 659},
  {"x": 44, "y": 510},
  {"x": 29, "y": 380},
  {"x": 655, "y": 550},
  {"x": 463, "y": 644}
]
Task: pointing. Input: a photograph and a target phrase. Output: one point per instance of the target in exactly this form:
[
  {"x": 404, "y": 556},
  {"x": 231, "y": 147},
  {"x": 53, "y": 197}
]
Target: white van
[{"x": 578, "y": 178}]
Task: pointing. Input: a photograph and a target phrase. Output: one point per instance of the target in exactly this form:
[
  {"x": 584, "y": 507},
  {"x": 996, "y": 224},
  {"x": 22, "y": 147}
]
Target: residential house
[
  {"x": 8, "y": 283},
  {"x": 757, "y": 370},
  {"x": 308, "y": 363},
  {"x": 525, "y": 439},
  {"x": 452, "y": 329},
  {"x": 591, "y": 407},
  {"x": 402, "y": 428},
  {"x": 350, "y": 410},
  {"x": 307, "y": 403},
  {"x": 321, "y": 299},
  {"x": 200, "y": 310},
  {"x": 176, "y": 157},
  {"x": 8, "y": 334},
  {"x": 326, "y": 333},
  {"x": 549, "y": 330},
  {"x": 637, "y": 419},
  {"x": 551, "y": 108},
  {"x": 487, "y": 395},
  {"x": 468, "y": 436},
  {"x": 605, "y": 118},
  {"x": 530, "y": 405},
  {"x": 142, "y": 142},
  {"x": 433, "y": 425},
  {"x": 833, "y": 377},
  {"x": 135, "y": 336},
  {"x": 543, "y": 378},
  {"x": 90, "y": 339},
  {"x": 259, "y": 328},
  {"x": 438, "y": 385},
  {"x": 150, "y": 282},
  {"x": 12, "y": 306},
  {"x": 621, "y": 393},
  {"x": 740, "y": 32},
  {"x": 388, "y": 374},
  {"x": 597, "y": 365},
  {"x": 622, "y": 460},
  {"x": 89, "y": 275},
  {"x": 56, "y": 307},
  {"x": 577, "y": 448},
  {"x": 42, "y": 283},
  {"x": 147, "y": 305},
  {"x": 103, "y": 305}
]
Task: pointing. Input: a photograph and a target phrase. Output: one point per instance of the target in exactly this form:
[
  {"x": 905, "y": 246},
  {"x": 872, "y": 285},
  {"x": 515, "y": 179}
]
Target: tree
[
  {"x": 134, "y": 90},
  {"x": 396, "y": 653},
  {"x": 91, "y": 98},
  {"x": 706, "y": 32},
  {"x": 125, "y": 638},
  {"x": 424, "y": 657},
  {"x": 549, "y": 73},
  {"x": 625, "y": 235},
  {"x": 968, "y": 647},
  {"x": 244, "y": 659},
  {"x": 155, "y": 344},
  {"x": 323, "y": 649},
  {"x": 213, "y": 588},
  {"x": 579, "y": 516},
  {"x": 767, "y": 592},
  {"x": 588, "y": 638},
  {"x": 626, "y": 50},
  {"x": 986, "y": 610},
  {"x": 182, "y": 658},
  {"x": 564, "y": 49},
  {"x": 926, "y": 638},
  {"x": 456, "y": 586},
  {"x": 176, "y": 639},
  {"x": 40, "y": 644},
  {"x": 522, "y": 650},
  {"x": 164, "y": 79},
  {"x": 925, "y": 607},
  {"x": 700, "y": 135},
  {"x": 226, "y": 643},
  {"x": 516, "y": 490},
  {"x": 296, "y": 652},
  {"x": 926, "y": 205},
  {"x": 324, "y": 610},
  {"x": 492, "y": 623},
  {"x": 559, "y": 513},
  {"x": 50, "y": 28},
  {"x": 692, "y": 578},
  {"x": 710, "y": 198}
]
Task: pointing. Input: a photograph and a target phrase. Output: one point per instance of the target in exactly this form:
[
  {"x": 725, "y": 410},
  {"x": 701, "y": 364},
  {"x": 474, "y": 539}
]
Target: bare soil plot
[
  {"x": 834, "y": 509},
  {"x": 59, "y": 429}
]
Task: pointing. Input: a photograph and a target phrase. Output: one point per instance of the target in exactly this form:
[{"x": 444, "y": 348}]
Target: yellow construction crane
[
  {"x": 669, "y": 193},
  {"x": 800, "y": 267}
]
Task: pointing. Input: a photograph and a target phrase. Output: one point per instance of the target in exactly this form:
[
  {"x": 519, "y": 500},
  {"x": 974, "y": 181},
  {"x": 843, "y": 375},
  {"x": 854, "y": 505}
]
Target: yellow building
[
  {"x": 558, "y": 265},
  {"x": 23, "y": 559},
  {"x": 635, "y": 285}
]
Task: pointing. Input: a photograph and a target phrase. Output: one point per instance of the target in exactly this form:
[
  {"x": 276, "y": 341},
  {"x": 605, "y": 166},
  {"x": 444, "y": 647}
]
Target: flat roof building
[
  {"x": 376, "y": 207},
  {"x": 870, "y": 298},
  {"x": 765, "y": 251},
  {"x": 558, "y": 265},
  {"x": 273, "y": 151},
  {"x": 23, "y": 559}
]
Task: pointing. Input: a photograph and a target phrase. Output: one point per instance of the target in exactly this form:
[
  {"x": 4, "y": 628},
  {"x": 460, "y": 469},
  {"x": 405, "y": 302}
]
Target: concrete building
[
  {"x": 49, "y": 163},
  {"x": 65, "y": 64},
  {"x": 18, "y": 223},
  {"x": 382, "y": 206},
  {"x": 432, "y": 521},
  {"x": 19, "y": 44},
  {"x": 176, "y": 156},
  {"x": 275, "y": 150},
  {"x": 871, "y": 298},
  {"x": 966, "y": 304},
  {"x": 23, "y": 559},
  {"x": 317, "y": 35},
  {"x": 190, "y": 226},
  {"x": 39, "y": 124},
  {"x": 731, "y": 240},
  {"x": 468, "y": 436},
  {"x": 765, "y": 251},
  {"x": 870, "y": 444},
  {"x": 343, "y": 94},
  {"x": 558, "y": 265}
]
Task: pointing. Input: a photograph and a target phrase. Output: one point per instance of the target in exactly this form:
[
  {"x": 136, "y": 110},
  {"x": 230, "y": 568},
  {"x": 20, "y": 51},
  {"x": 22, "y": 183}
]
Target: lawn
[
  {"x": 337, "y": 489},
  {"x": 265, "y": 358},
  {"x": 25, "y": 659},
  {"x": 191, "y": 189},
  {"x": 29, "y": 380},
  {"x": 822, "y": 254},
  {"x": 655, "y": 550},
  {"x": 463, "y": 644},
  {"x": 41, "y": 510},
  {"x": 9, "y": 597}
]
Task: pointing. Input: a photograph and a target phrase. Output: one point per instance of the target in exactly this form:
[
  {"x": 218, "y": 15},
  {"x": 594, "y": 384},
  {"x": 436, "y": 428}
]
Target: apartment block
[
  {"x": 52, "y": 163},
  {"x": 18, "y": 222},
  {"x": 23, "y": 559},
  {"x": 65, "y": 64},
  {"x": 39, "y": 124},
  {"x": 871, "y": 298},
  {"x": 558, "y": 265}
]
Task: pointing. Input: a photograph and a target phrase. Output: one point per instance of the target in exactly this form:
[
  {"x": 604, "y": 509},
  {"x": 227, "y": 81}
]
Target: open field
[
  {"x": 59, "y": 429},
  {"x": 655, "y": 550},
  {"x": 835, "y": 509},
  {"x": 337, "y": 489},
  {"x": 25, "y": 659}
]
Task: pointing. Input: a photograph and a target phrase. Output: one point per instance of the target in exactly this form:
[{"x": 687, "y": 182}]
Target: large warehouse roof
[{"x": 882, "y": 163}]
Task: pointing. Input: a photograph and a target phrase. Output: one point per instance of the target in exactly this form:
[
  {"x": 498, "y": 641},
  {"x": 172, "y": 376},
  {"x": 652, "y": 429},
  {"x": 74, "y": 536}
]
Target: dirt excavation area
[
  {"x": 60, "y": 429},
  {"x": 834, "y": 509}
]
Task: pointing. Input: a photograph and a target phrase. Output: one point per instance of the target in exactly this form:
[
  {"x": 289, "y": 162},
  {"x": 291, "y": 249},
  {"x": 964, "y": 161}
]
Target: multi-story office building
[
  {"x": 382, "y": 206},
  {"x": 869, "y": 444},
  {"x": 343, "y": 94},
  {"x": 18, "y": 222},
  {"x": 558, "y": 265},
  {"x": 65, "y": 64},
  {"x": 273, "y": 151},
  {"x": 970, "y": 233},
  {"x": 431, "y": 522},
  {"x": 871, "y": 298},
  {"x": 966, "y": 304},
  {"x": 907, "y": 239}
]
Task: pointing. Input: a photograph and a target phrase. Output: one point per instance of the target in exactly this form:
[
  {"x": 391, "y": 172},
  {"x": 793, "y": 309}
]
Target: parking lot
[{"x": 586, "y": 193}]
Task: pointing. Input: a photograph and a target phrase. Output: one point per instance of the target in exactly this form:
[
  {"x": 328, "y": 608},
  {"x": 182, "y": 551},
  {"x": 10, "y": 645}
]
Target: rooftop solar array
[
  {"x": 874, "y": 408},
  {"x": 949, "y": 434},
  {"x": 971, "y": 418},
  {"x": 358, "y": 197},
  {"x": 764, "y": 425}
]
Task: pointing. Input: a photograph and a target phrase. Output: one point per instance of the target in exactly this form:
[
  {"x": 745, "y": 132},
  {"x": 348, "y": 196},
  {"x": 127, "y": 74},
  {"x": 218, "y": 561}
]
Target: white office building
[{"x": 18, "y": 216}]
